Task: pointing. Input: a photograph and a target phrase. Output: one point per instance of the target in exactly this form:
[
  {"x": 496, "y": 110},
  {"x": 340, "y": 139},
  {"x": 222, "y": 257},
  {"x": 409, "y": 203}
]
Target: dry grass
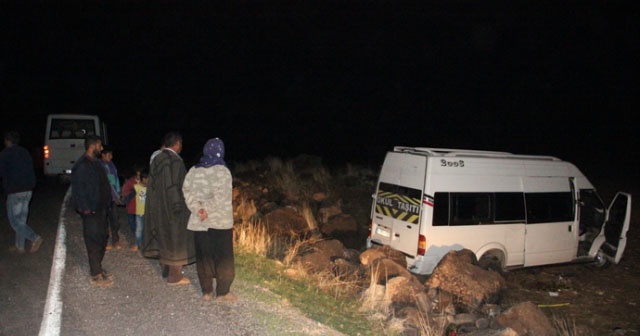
[
  {"x": 246, "y": 210},
  {"x": 309, "y": 217},
  {"x": 293, "y": 251},
  {"x": 252, "y": 237},
  {"x": 564, "y": 326},
  {"x": 428, "y": 328}
]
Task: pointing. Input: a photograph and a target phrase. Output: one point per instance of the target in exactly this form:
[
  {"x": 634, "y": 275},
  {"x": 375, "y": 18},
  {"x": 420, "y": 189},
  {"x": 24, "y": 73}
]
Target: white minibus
[
  {"x": 510, "y": 210},
  {"x": 64, "y": 140}
]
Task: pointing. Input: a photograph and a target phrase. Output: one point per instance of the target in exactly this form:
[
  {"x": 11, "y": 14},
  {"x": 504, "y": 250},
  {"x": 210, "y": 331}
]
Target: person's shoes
[
  {"x": 134, "y": 248},
  {"x": 207, "y": 296},
  {"x": 229, "y": 297},
  {"x": 16, "y": 250},
  {"x": 106, "y": 274},
  {"x": 100, "y": 281},
  {"x": 117, "y": 246},
  {"x": 108, "y": 247},
  {"x": 36, "y": 245},
  {"x": 183, "y": 281}
]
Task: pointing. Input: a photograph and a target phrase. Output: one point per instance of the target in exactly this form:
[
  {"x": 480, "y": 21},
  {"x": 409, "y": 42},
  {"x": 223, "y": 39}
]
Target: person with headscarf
[{"x": 207, "y": 191}]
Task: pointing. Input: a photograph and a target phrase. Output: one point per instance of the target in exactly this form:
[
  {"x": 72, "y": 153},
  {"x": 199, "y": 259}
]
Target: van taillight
[
  {"x": 370, "y": 225},
  {"x": 422, "y": 245},
  {"x": 46, "y": 152}
]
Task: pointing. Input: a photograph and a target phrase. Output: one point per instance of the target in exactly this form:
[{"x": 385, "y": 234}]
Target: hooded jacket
[{"x": 165, "y": 233}]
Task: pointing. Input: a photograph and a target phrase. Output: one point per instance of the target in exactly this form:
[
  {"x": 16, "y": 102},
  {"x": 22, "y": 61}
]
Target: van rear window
[
  {"x": 71, "y": 128},
  {"x": 399, "y": 202}
]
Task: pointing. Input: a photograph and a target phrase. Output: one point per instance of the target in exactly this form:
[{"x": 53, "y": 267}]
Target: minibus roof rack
[{"x": 448, "y": 152}]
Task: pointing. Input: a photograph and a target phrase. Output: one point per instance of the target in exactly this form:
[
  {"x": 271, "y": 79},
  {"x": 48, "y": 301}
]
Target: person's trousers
[
  {"x": 214, "y": 259},
  {"x": 114, "y": 225},
  {"x": 17, "y": 213},
  {"x": 131, "y": 218},
  {"x": 139, "y": 229},
  {"x": 95, "y": 231}
]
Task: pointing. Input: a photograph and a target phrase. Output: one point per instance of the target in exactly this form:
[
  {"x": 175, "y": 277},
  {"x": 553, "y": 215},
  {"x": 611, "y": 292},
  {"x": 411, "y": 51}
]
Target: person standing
[
  {"x": 140, "y": 189},
  {"x": 18, "y": 181},
  {"x": 165, "y": 235},
  {"x": 129, "y": 199},
  {"x": 112, "y": 211},
  {"x": 207, "y": 190},
  {"x": 90, "y": 197}
]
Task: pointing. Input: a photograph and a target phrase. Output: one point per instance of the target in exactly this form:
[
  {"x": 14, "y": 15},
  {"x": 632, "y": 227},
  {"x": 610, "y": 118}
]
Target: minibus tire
[
  {"x": 490, "y": 262},
  {"x": 600, "y": 261}
]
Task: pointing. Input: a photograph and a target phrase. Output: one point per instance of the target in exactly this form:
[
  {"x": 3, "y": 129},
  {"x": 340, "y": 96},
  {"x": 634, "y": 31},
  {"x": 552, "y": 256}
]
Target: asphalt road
[{"x": 48, "y": 293}]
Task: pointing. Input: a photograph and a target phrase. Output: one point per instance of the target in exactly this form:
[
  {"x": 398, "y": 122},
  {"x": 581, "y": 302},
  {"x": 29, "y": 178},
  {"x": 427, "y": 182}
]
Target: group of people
[{"x": 179, "y": 216}]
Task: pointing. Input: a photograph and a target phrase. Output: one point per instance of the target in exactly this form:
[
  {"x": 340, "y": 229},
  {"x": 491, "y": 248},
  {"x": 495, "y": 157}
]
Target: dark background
[{"x": 343, "y": 80}]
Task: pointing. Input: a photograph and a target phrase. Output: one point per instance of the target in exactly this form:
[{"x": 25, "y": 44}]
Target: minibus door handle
[
  {"x": 73, "y": 145},
  {"x": 569, "y": 228}
]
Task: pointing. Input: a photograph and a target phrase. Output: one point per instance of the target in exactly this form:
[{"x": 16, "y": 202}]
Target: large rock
[
  {"x": 341, "y": 223},
  {"x": 328, "y": 210},
  {"x": 315, "y": 262},
  {"x": 526, "y": 319},
  {"x": 370, "y": 255},
  {"x": 319, "y": 256},
  {"x": 404, "y": 291},
  {"x": 286, "y": 222},
  {"x": 330, "y": 247},
  {"x": 384, "y": 269},
  {"x": 457, "y": 274},
  {"x": 347, "y": 271}
]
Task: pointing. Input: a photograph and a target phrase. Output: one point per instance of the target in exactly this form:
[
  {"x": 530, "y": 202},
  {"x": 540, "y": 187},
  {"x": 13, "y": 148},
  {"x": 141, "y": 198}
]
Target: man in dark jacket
[
  {"x": 90, "y": 197},
  {"x": 165, "y": 220},
  {"x": 18, "y": 180}
]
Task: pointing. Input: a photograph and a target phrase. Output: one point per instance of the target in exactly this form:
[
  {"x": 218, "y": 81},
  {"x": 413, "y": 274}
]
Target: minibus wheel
[
  {"x": 600, "y": 261},
  {"x": 490, "y": 262}
]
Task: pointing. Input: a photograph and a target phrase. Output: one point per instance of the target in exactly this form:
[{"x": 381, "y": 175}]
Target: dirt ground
[{"x": 607, "y": 301}]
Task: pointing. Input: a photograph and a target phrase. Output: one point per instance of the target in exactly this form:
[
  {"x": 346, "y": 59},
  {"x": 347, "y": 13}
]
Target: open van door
[{"x": 612, "y": 239}]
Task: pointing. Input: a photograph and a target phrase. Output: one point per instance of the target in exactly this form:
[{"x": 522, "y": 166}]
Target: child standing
[
  {"x": 114, "y": 182},
  {"x": 129, "y": 198},
  {"x": 141, "y": 197}
]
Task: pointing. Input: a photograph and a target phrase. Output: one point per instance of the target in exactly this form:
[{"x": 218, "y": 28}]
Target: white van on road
[
  {"x": 64, "y": 140},
  {"x": 510, "y": 210}
]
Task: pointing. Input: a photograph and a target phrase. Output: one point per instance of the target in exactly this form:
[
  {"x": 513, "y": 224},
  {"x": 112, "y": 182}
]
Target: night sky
[{"x": 343, "y": 80}]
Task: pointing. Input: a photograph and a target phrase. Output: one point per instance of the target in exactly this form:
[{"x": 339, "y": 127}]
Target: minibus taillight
[
  {"x": 370, "y": 225},
  {"x": 422, "y": 245},
  {"x": 46, "y": 152}
]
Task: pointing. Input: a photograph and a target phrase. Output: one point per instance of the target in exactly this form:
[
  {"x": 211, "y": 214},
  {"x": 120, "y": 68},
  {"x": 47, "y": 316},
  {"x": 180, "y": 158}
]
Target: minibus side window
[
  {"x": 478, "y": 208},
  {"x": 509, "y": 207},
  {"x": 441, "y": 209},
  {"x": 549, "y": 207},
  {"x": 471, "y": 208}
]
